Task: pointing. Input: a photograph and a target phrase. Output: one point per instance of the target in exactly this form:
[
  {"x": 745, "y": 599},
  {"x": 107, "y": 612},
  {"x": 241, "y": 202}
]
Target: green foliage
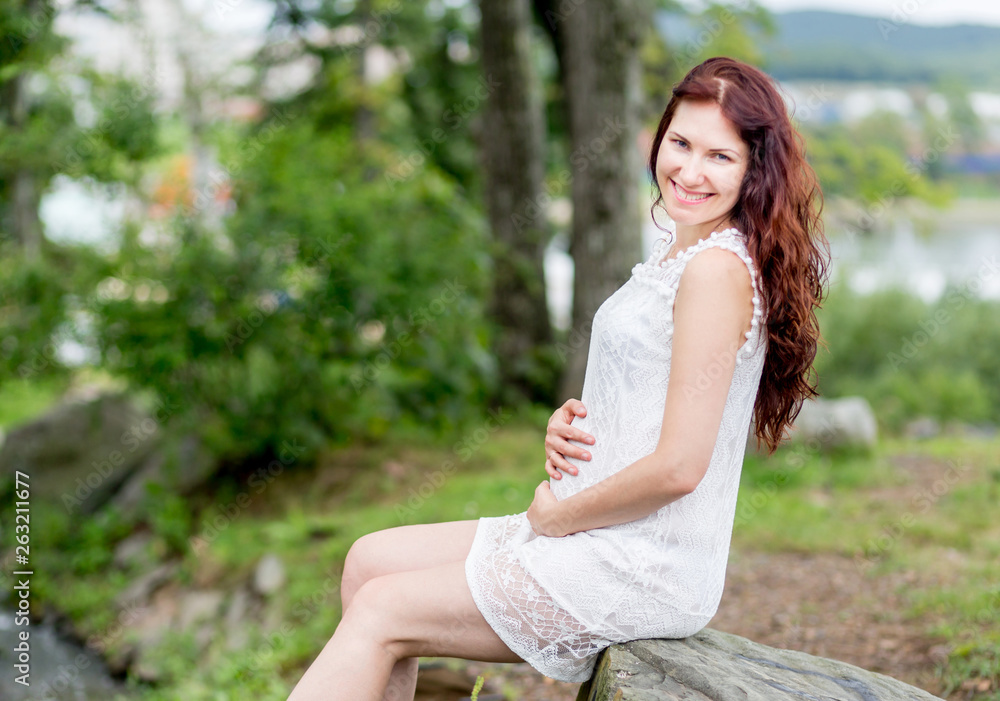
[
  {"x": 428, "y": 110},
  {"x": 868, "y": 161},
  {"x": 719, "y": 29},
  {"x": 735, "y": 33},
  {"x": 39, "y": 133},
  {"x": 37, "y": 311},
  {"x": 909, "y": 358},
  {"x": 124, "y": 134},
  {"x": 81, "y": 545},
  {"x": 23, "y": 400},
  {"x": 169, "y": 516},
  {"x": 335, "y": 304}
]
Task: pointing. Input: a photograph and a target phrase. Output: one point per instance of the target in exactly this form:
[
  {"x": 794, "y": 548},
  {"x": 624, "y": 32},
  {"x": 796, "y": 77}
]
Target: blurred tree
[
  {"x": 601, "y": 71},
  {"x": 869, "y": 162},
  {"x": 963, "y": 116},
  {"x": 58, "y": 118},
  {"x": 514, "y": 158},
  {"x": 36, "y": 117},
  {"x": 722, "y": 29},
  {"x": 333, "y": 304},
  {"x": 423, "y": 53}
]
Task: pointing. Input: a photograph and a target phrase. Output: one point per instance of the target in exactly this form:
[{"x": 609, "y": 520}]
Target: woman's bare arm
[{"x": 712, "y": 313}]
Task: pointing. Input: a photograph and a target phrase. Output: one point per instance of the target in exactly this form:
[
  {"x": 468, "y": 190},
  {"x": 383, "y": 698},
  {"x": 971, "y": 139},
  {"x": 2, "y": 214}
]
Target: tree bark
[
  {"x": 25, "y": 222},
  {"x": 602, "y": 74},
  {"x": 513, "y": 154},
  {"x": 22, "y": 192}
]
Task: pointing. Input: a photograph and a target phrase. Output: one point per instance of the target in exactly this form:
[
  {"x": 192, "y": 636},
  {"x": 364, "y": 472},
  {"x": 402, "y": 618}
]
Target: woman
[{"x": 711, "y": 332}]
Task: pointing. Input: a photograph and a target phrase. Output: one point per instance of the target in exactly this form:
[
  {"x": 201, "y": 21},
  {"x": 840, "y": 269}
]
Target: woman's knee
[
  {"x": 357, "y": 570},
  {"x": 371, "y": 611}
]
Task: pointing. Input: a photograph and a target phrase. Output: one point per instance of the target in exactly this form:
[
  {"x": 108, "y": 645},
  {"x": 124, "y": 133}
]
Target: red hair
[{"x": 779, "y": 211}]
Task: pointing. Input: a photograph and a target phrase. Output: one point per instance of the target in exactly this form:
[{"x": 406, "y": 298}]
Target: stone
[
  {"x": 716, "y": 666},
  {"x": 142, "y": 588},
  {"x": 836, "y": 423},
  {"x": 81, "y": 451},
  {"x": 133, "y": 550},
  {"x": 237, "y": 635},
  {"x": 922, "y": 427},
  {"x": 180, "y": 465},
  {"x": 148, "y": 630},
  {"x": 197, "y": 606},
  {"x": 269, "y": 576},
  {"x": 100, "y": 448}
]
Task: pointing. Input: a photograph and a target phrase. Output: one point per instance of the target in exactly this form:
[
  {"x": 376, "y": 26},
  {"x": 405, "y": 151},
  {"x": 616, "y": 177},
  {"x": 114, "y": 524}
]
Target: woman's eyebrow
[{"x": 671, "y": 132}]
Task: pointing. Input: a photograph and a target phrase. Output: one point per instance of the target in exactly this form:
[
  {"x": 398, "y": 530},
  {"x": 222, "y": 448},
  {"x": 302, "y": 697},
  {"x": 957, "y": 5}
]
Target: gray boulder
[
  {"x": 181, "y": 465},
  {"x": 835, "y": 423},
  {"x": 102, "y": 449},
  {"x": 716, "y": 666},
  {"x": 80, "y": 452}
]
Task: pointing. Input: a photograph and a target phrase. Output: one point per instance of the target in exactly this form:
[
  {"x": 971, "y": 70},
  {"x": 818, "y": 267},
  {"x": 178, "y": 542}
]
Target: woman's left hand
[{"x": 543, "y": 514}]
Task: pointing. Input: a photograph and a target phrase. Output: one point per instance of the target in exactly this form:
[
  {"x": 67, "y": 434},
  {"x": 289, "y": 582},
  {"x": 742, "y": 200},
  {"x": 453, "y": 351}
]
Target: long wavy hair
[{"x": 778, "y": 209}]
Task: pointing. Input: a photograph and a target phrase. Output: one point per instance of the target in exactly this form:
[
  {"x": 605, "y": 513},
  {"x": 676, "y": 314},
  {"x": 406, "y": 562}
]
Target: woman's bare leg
[
  {"x": 401, "y": 549},
  {"x": 423, "y": 612}
]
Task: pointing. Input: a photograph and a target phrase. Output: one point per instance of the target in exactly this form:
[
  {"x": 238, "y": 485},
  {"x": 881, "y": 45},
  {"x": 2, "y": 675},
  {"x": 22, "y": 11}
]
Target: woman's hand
[
  {"x": 557, "y": 435},
  {"x": 543, "y": 513}
]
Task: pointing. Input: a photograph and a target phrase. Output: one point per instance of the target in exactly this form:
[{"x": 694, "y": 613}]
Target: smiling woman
[
  {"x": 700, "y": 164},
  {"x": 632, "y": 541}
]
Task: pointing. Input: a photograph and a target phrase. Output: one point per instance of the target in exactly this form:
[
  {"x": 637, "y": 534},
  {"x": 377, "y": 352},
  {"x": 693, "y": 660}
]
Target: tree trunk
[
  {"x": 513, "y": 153},
  {"x": 602, "y": 72},
  {"x": 21, "y": 192},
  {"x": 26, "y": 225}
]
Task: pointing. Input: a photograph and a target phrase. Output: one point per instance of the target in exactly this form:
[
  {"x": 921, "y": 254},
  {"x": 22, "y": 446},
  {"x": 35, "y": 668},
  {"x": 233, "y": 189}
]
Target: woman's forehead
[{"x": 704, "y": 120}]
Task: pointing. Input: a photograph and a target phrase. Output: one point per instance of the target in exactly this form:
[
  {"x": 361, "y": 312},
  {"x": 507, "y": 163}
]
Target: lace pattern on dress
[{"x": 557, "y": 602}]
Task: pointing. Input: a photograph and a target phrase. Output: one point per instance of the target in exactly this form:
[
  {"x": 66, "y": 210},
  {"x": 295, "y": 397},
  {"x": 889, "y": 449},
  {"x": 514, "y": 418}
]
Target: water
[
  {"x": 961, "y": 247},
  {"x": 968, "y": 256},
  {"x": 60, "y": 670}
]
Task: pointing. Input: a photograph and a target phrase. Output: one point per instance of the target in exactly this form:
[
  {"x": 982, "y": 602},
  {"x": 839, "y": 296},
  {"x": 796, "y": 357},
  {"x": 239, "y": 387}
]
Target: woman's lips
[{"x": 688, "y": 197}]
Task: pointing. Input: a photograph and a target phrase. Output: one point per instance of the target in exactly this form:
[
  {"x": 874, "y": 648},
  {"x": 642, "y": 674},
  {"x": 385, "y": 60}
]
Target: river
[
  {"x": 60, "y": 670},
  {"x": 918, "y": 254}
]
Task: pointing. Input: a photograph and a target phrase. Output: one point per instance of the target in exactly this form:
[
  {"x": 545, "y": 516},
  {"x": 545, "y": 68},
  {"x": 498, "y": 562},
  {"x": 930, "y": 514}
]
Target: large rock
[
  {"x": 716, "y": 666},
  {"x": 81, "y": 451},
  {"x": 835, "y": 423},
  {"x": 103, "y": 449},
  {"x": 180, "y": 464}
]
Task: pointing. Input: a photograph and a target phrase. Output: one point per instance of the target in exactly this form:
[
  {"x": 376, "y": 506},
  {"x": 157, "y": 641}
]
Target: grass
[
  {"x": 860, "y": 505},
  {"x": 23, "y": 400}
]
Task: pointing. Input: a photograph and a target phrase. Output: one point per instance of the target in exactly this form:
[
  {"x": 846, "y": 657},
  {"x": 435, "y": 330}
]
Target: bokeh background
[{"x": 274, "y": 275}]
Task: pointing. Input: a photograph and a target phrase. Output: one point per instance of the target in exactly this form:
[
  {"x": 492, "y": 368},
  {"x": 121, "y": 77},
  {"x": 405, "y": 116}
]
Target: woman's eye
[
  {"x": 722, "y": 157},
  {"x": 680, "y": 143}
]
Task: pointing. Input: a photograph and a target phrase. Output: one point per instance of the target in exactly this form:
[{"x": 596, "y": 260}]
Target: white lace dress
[{"x": 557, "y": 602}]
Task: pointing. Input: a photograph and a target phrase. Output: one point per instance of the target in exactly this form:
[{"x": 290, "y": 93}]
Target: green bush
[
  {"x": 910, "y": 358},
  {"x": 336, "y": 303}
]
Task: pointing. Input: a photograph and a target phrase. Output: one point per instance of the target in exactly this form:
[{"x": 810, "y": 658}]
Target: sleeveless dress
[{"x": 557, "y": 602}]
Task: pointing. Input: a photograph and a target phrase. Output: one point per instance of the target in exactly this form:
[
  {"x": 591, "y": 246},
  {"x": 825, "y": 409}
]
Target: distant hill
[
  {"x": 852, "y": 47},
  {"x": 816, "y": 45}
]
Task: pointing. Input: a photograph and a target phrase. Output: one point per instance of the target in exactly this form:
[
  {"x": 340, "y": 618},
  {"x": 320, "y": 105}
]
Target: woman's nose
[{"x": 691, "y": 172}]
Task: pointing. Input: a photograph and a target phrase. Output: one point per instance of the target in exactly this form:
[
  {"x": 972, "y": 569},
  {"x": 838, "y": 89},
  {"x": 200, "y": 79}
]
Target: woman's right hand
[{"x": 557, "y": 437}]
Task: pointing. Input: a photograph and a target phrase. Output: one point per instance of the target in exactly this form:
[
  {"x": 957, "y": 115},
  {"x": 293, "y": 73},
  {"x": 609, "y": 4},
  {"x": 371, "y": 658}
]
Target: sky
[{"x": 903, "y": 11}]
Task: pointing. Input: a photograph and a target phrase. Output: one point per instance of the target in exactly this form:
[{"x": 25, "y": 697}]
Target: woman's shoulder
[{"x": 714, "y": 253}]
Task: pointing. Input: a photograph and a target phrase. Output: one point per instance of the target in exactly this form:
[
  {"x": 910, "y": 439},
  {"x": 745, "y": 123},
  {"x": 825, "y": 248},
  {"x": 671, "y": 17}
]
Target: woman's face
[{"x": 700, "y": 166}]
